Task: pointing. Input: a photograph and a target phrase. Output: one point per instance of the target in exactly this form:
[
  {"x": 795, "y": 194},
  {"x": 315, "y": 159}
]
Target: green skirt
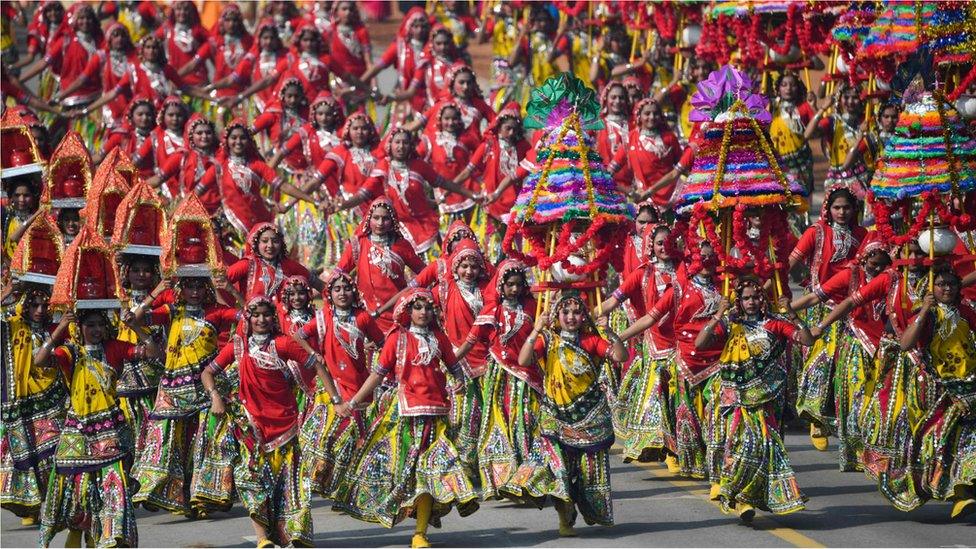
[
  {"x": 402, "y": 459},
  {"x": 853, "y": 383},
  {"x": 815, "y": 399},
  {"x": 898, "y": 403},
  {"x": 465, "y": 419},
  {"x": 328, "y": 443},
  {"x": 95, "y": 502},
  {"x": 512, "y": 455},
  {"x": 698, "y": 437},
  {"x": 270, "y": 489},
  {"x": 946, "y": 444},
  {"x": 755, "y": 468},
  {"x": 643, "y": 412},
  {"x": 164, "y": 470}
]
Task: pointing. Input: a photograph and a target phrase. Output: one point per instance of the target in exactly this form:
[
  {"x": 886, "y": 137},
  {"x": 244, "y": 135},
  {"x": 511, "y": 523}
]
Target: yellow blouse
[
  {"x": 953, "y": 346},
  {"x": 28, "y": 379}
]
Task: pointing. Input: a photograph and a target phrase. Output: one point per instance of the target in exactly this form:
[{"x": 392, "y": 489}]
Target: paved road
[{"x": 652, "y": 508}]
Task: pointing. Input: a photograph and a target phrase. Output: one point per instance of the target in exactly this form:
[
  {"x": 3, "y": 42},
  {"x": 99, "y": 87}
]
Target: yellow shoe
[
  {"x": 567, "y": 531},
  {"x": 746, "y": 512},
  {"x": 28, "y": 521},
  {"x": 817, "y": 438},
  {"x": 73, "y": 539},
  {"x": 714, "y": 492},
  {"x": 963, "y": 508},
  {"x": 420, "y": 540},
  {"x": 672, "y": 463},
  {"x": 265, "y": 543}
]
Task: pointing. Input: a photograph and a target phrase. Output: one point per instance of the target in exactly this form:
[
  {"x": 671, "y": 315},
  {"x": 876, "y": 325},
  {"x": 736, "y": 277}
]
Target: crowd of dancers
[{"x": 364, "y": 339}]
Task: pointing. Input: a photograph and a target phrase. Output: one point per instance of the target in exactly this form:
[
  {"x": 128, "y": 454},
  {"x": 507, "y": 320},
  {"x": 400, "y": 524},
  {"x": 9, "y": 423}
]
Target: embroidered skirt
[
  {"x": 328, "y": 443},
  {"x": 643, "y": 412},
  {"x": 814, "y": 398},
  {"x": 402, "y": 459},
  {"x": 514, "y": 460},
  {"x": 853, "y": 383},
  {"x": 270, "y": 488},
  {"x": 95, "y": 502},
  {"x": 164, "y": 469}
]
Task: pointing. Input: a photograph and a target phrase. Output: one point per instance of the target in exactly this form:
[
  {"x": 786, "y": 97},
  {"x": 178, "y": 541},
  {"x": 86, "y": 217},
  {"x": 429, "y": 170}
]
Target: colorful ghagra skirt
[
  {"x": 643, "y": 412},
  {"x": 403, "y": 458},
  {"x": 514, "y": 460},
  {"x": 216, "y": 452},
  {"x": 853, "y": 383},
  {"x": 814, "y": 398},
  {"x": 269, "y": 486},
  {"x": 28, "y": 439},
  {"x": 328, "y": 443},
  {"x": 946, "y": 439},
  {"x": 899, "y": 401}
]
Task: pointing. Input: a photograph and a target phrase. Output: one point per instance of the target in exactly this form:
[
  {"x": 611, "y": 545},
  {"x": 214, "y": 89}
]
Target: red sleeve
[
  {"x": 242, "y": 73},
  {"x": 263, "y": 122},
  {"x": 160, "y": 316},
  {"x": 426, "y": 277},
  {"x": 172, "y": 165},
  {"x": 209, "y": 177},
  {"x": 676, "y": 95},
  {"x": 224, "y": 358},
  {"x": 174, "y": 76},
  {"x": 326, "y": 167},
  {"x": 427, "y": 172},
  {"x": 825, "y": 124},
  {"x": 663, "y": 305},
  {"x": 596, "y": 346},
  {"x": 562, "y": 45},
  {"x": 447, "y": 350},
  {"x": 206, "y": 51},
  {"x": 479, "y": 332},
  {"x": 145, "y": 153},
  {"x": 310, "y": 331},
  {"x": 63, "y": 360},
  {"x": 478, "y": 159},
  {"x": 782, "y": 329},
  {"x": 687, "y": 158},
  {"x": 293, "y": 143},
  {"x": 237, "y": 271},
  {"x": 373, "y": 187},
  {"x": 346, "y": 261},
  {"x": 114, "y": 140},
  {"x": 485, "y": 109},
  {"x": 289, "y": 349},
  {"x": 806, "y": 112},
  {"x": 631, "y": 286},
  {"x": 369, "y": 327},
  {"x": 539, "y": 346},
  {"x": 872, "y": 291},
  {"x": 54, "y": 55},
  {"x": 411, "y": 258},
  {"x": 804, "y": 246},
  {"x": 93, "y": 68},
  {"x": 388, "y": 356},
  {"x": 224, "y": 316},
  {"x": 836, "y": 287},
  {"x": 389, "y": 56}
]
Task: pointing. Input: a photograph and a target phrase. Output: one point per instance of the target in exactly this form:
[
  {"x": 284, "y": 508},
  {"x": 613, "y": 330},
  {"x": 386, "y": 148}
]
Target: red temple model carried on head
[
  {"x": 69, "y": 174},
  {"x": 20, "y": 154},
  {"x": 87, "y": 276},
  {"x": 140, "y": 222},
  {"x": 189, "y": 244},
  {"x": 38, "y": 253}
]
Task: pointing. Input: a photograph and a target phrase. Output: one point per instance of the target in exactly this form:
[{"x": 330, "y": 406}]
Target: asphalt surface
[{"x": 651, "y": 508}]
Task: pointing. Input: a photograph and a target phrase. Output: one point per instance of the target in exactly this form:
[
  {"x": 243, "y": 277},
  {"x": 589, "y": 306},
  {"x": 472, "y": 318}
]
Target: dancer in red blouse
[
  {"x": 258, "y": 72},
  {"x": 183, "y": 36},
  {"x": 267, "y": 265},
  {"x": 448, "y": 157},
  {"x": 615, "y": 110},
  {"x": 282, "y": 119},
  {"x": 406, "y": 55},
  {"x": 140, "y": 121},
  {"x": 188, "y": 169},
  {"x": 378, "y": 256}
]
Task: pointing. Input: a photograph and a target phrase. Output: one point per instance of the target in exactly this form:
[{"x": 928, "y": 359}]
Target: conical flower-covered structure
[
  {"x": 950, "y": 32},
  {"x": 929, "y": 151},
  {"x": 87, "y": 277},
  {"x": 855, "y": 23},
  {"x": 140, "y": 222},
  {"x": 895, "y": 31},
  {"x": 38, "y": 253},
  {"x": 735, "y": 163},
  {"x": 572, "y": 192}
]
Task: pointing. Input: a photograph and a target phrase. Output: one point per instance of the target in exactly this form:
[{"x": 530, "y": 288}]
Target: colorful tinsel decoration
[
  {"x": 896, "y": 31},
  {"x": 735, "y": 163},
  {"x": 950, "y": 32},
  {"x": 929, "y": 152},
  {"x": 855, "y": 23},
  {"x": 573, "y": 192}
]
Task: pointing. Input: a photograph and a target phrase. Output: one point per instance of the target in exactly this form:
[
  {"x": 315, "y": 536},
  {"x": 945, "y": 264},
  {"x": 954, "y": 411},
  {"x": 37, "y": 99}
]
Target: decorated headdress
[
  {"x": 167, "y": 103},
  {"x": 412, "y": 15},
  {"x": 255, "y": 234},
  {"x": 506, "y": 268},
  {"x": 194, "y": 12},
  {"x": 338, "y": 274},
  {"x": 253, "y": 303},
  {"x": 20, "y": 154},
  {"x": 647, "y": 240},
  {"x": 457, "y": 231},
  {"x": 388, "y": 143},
  {"x": 140, "y": 222},
  {"x": 870, "y": 244},
  {"x": 439, "y": 109},
  {"x": 381, "y": 202},
  {"x": 265, "y": 24},
  {"x": 75, "y": 11},
  {"x": 360, "y": 116},
  {"x": 325, "y": 97},
  {"x": 195, "y": 120},
  {"x": 239, "y": 124},
  {"x": 605, "y": 96},
  {"x": 564, "y": 298},
  {"x": 153, "y": 39},
  {"x": 38, "y": 254},
  {"x": 114, "y": 27},
  {"x": 104, "y": 197},
  {"x": 401, "y": 313},
  {"x": 283, "y": 84},
  {"x": 639, "y": 106},
  {"x": 735, "y": 163},
  {"x": 87, "y": 276},
  {"x": 69, "y": 173},
  {"x": 573, "y": 192},
  {"x": 189, "y": 247},
  {"x": 136, "y": 102},
  {"x": 305, "y": 27},
  {"x": 511, "y": 111},
  {"x": 453, "y": 72},
  {"x": 291, "y": 284},
  {"x": 468, "y": 249}
]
